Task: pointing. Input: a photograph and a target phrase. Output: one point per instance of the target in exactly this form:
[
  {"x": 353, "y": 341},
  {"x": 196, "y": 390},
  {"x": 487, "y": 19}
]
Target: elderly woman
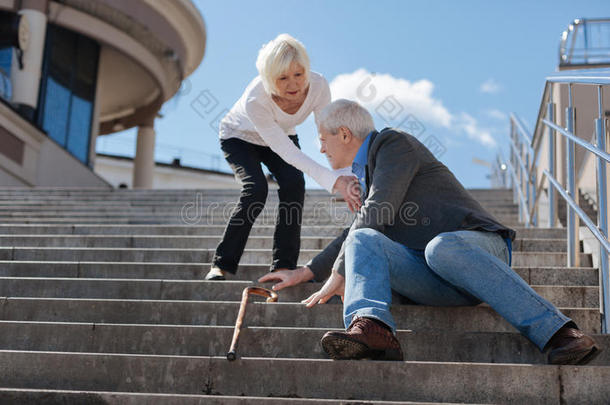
[{"x": 259, "y": 129}]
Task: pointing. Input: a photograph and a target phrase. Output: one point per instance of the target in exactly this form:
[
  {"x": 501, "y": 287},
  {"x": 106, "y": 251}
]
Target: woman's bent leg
[
  {"x": 291, "y": 192},
  {"x": 245, "y": 160}
]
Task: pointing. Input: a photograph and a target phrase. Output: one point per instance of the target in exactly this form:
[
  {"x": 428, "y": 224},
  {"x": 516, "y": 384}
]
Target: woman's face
[{"x": 291, "y": 84}]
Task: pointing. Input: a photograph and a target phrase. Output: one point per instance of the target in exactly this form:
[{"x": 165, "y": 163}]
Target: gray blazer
[{"x": 411, "y": 197}]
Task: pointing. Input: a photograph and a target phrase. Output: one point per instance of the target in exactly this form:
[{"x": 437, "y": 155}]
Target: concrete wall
[
  {"x": 118, "y": 171},
  {"x": 6, "y": 179},
  {"x": 43, "y": 162}
]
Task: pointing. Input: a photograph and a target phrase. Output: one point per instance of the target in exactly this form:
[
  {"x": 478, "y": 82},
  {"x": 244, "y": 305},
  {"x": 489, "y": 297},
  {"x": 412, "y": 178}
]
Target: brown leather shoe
[
  {"x": 571, "y": 346},
  {"x": 364, "y": 339}
]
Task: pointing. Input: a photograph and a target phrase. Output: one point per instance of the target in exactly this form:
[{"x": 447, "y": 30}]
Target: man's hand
[
  {"x": 335, "y": 285},
  {"x": 349, "y": 188},
  {"x": 287, "y": 278}
]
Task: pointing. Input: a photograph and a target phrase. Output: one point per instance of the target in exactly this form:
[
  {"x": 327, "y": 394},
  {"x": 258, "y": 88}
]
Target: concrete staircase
[{"x": 102, "y": 302}]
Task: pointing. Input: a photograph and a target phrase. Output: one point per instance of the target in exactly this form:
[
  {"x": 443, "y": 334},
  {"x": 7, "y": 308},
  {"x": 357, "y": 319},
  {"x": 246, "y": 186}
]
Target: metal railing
[
  {"x": 585, "y": 42},
  {"x": 523, "y": 167}
]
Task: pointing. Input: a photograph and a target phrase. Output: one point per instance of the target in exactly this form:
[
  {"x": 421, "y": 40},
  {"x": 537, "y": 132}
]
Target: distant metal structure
[{"x": 586, "y": 42}]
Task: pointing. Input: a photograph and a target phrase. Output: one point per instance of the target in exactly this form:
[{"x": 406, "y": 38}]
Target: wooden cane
[{"x": 271, "y": 297}]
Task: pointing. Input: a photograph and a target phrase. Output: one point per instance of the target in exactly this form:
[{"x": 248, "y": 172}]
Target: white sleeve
[
  {"x": 274, "y": 136},
  {"x": 345, "y": 171}
]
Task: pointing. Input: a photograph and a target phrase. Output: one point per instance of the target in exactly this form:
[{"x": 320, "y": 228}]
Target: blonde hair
[{"x": 276, "y": 56}]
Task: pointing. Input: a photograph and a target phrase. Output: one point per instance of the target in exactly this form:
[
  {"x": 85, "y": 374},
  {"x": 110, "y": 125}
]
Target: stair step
[
  {"x": 210, "y": 242},
  {"x": 274, "y": 342},
  {"x": 36, "y": 397},
  {"x": 573, "y": 296},
  {"x": 254, "y": 256},
  {"x": 586, "y": 276},
  {"x": 215, "y": 230},
  {"x": 281, "y": 314},
  {"x": 261, "y": 377}
]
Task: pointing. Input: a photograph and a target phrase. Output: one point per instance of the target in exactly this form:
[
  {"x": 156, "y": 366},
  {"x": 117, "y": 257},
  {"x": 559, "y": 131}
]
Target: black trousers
[{"x": 245, "y": 159}]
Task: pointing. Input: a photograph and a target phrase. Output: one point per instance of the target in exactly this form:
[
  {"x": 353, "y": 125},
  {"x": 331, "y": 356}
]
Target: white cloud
[
  {"x": 490, "y": 86},
  {"x": 497, "y": 114},
  {"x": 395, "y": 99},
  {"x": 472, "y": 129},
  {"x": 391, "y": 97}
]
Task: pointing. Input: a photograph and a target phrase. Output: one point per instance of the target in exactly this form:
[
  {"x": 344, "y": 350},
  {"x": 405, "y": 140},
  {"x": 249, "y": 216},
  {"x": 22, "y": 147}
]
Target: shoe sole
[
  {"x": 215, "y": 278},
  {"x": 578, "y": 359},
  {"x": 339, "y": 348}
]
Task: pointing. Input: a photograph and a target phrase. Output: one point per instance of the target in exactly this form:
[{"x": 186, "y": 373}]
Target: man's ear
[{"x": 346, "y": 134}]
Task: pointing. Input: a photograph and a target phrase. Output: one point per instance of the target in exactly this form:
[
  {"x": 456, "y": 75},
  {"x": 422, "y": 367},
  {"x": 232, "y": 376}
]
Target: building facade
[{"x": 73, "y": 70}]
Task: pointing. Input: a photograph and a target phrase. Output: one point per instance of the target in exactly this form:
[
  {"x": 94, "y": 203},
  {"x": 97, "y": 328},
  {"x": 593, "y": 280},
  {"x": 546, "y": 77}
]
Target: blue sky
[{"x": 458, "y": 67}]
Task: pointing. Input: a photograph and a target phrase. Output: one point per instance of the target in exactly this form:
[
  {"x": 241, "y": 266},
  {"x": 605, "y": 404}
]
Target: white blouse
[{"x": 257, "y": 119}]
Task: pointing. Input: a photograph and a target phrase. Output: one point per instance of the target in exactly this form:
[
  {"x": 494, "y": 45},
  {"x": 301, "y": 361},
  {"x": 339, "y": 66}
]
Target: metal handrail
[
  {"x": 522, "y": 131},
  {"x": 584, "y": 144},
  {"x": 519, "y": 191},
  {"x": 589, "y": 76},
  {"x": 523, "y": 167},
  {"x": 585, "y": 218},
  {"x": 527, "y": 173},
  {"x": 519, "y": 159}
]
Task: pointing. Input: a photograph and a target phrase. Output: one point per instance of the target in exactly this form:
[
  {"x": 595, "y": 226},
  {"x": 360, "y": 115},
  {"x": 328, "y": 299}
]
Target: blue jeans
[{"x": 459, "y": 268}]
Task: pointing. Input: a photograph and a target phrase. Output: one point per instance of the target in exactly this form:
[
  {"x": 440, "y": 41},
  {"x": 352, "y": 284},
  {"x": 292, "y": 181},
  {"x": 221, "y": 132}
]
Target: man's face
[{"x": 335, "y": 148}]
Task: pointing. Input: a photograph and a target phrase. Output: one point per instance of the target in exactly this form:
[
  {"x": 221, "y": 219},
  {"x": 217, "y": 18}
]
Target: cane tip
[{"x": 231, "y": 356}]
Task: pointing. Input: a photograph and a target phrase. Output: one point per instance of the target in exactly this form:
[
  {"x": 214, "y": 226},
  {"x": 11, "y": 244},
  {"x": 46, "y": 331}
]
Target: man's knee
[
  {"x": 441, "y": 251},
  {"x": 365, "y": 236},
  {"x": 354, "y": 243}
]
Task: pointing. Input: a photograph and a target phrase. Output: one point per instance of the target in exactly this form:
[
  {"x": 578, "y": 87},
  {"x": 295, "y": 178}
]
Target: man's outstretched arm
[{"x": 318, "y": 268}]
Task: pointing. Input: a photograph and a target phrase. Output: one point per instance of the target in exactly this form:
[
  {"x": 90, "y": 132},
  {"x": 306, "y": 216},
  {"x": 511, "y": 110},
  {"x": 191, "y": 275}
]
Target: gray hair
[
  {"x": 349, "y": 114},
  {"x": 276, "y": 56}
]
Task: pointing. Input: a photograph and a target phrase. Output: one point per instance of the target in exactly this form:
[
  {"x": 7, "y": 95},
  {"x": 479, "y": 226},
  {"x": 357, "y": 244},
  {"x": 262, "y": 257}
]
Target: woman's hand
[
  {"x": 335, "y": 285},
  {"x": 349, "y": 188},
  {"x": 287, "y": 278}
]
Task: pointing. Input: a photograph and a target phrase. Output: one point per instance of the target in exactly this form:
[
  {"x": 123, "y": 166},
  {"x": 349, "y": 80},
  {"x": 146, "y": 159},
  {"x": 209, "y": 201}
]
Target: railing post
[
  {"x": 552, "y": 150},
  {"x": 511, "y": 159},
  {"x": 571, "y": 189},
  {"x": 526, "y": 178},
  {"x": 535, "y": 208},
  {"x": 602, "y": 214}
]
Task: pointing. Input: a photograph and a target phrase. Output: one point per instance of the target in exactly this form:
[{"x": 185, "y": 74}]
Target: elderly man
[{"x": 421, "y": 234}]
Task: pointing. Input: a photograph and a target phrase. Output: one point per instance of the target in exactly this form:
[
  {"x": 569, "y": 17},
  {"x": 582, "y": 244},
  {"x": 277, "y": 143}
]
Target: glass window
[
  {"x": 67, "y": 91},
  {"x": 80, "y": 123},
  {"x": 56, "y": 110},
  {"x": 6, "y": 55}
]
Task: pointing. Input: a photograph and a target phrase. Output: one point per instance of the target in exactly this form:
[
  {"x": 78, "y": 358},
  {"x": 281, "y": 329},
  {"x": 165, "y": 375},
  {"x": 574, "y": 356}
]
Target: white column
[
  {"x": 144, "y": 162},
  {"x": 26, "y": 81}
]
